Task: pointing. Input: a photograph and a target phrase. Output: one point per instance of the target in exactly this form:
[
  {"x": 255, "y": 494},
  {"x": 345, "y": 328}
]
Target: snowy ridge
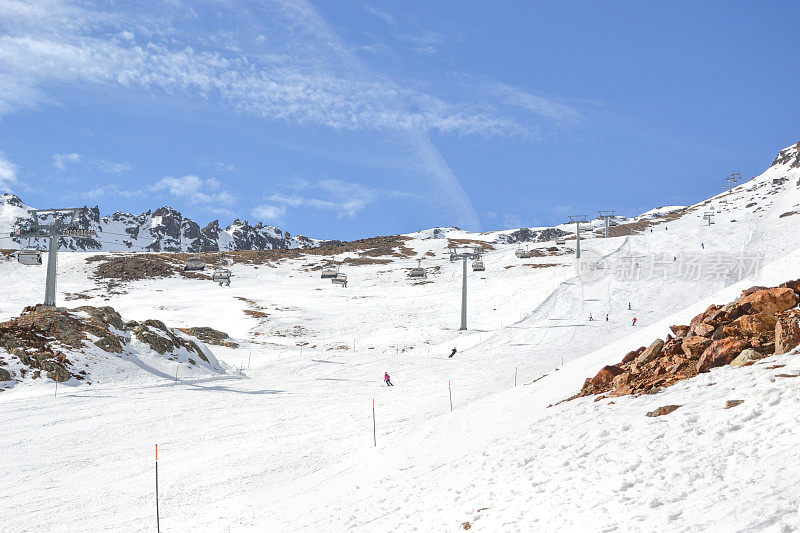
[{"x": 162, "y": 230}]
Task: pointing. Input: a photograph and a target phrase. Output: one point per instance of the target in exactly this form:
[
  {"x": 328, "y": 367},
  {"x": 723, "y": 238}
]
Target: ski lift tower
[
  {"x": 64, "y": 224},
  {"x": 606, "y": 216},
  {"x": 709, "y": 215},
  {"x": 577, "y": 220},
  {"x": 733, "y": 179},
  {"x": 465, "y": 255}
]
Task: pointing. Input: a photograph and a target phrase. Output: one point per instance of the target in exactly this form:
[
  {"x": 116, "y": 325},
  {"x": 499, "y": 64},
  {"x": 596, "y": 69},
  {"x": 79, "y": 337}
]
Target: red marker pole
[
  {"x": 450, "y": 391},
  {"x": 56, "y": 393},
  {"x": 374, "y": 431},
  {"x": 158, "y": 519}
]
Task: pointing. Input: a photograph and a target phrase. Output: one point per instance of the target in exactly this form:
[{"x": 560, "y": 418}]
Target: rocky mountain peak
[{"x": 789, "y": 156}]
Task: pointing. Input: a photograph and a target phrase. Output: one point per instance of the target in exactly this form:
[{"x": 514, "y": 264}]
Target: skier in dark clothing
[
  {"x": 387, "y": 380},
  {"x": 590, "y": 317},
  {"x": 453, "y": 352},
  {"x": 629, "y": 306},
  {"x": 606, "y": 317}
]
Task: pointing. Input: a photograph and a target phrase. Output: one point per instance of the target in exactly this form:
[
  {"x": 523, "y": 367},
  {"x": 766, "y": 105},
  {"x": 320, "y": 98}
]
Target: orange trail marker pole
[
  {"x": 450, "y": 391},
  {"x": 374, "y": 430},
  {"x": 56, "y": 393},
  {"x": 158, "y": 519}
]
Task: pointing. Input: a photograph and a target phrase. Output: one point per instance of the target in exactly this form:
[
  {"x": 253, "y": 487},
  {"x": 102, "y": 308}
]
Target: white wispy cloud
[
  {"x": 383, "y": 15},
  {"x": 269, "y": 213},
  {"x": 343, "y": 198},
  {"x": 61, "y": 161},
  {"x": 110, "y": 167},
  {"x": 297, "y": 70},
  {"x": 8, "y": 173},
  {"x": 194, "y": 190}
]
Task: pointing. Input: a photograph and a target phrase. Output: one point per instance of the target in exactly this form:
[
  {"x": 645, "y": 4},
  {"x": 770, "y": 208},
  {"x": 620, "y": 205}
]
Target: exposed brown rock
[
  {"x": 756, "y": 324},
  {"x": 680, "y": 331},
  {"x": 694, "y": 346},
  {"x": 663, "y": 410},
  {"x": 787, "y": 331},
  {"x": 652, "y": 351},
  {"x": 771, "y": 301},
  {"x": 721, "y": 353},
  {"x": 631, "y": 356},
  {"x": 733, "y": 403}
]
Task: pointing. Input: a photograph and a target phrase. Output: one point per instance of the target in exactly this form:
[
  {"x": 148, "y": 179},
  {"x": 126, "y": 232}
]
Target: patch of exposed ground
[{"x": 483, "y": 246}]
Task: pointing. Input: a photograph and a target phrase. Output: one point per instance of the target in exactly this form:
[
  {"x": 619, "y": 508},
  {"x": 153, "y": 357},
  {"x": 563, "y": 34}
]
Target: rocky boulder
[
  {"x": 771, "y": 301},
  {"x": 680, "y": 331},
  {"x": 652, "y": 351},
  {"x": 693, "y": 347},
  {"x": 787, "y": 331},
  {"x": 745, "y": 357},
  {"x": 757, "y": 324},
  {"x": 721, "y": 353}
]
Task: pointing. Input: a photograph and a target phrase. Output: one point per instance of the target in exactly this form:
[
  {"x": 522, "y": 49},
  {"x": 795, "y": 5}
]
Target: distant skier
[
  {"x": 590, "y": 317},
  {"x": 629, "y": 306},
  {"x": 634, "y": 321},
  {"x": 703, "y": 246},
  {"x": 452, "y": 353},
  {"x": 387, "y": 379},
  {"x": 606, "y": 317}
]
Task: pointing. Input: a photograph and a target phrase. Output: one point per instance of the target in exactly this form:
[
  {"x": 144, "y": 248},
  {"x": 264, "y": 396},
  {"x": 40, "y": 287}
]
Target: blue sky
[{"x": 349, "y": 119}]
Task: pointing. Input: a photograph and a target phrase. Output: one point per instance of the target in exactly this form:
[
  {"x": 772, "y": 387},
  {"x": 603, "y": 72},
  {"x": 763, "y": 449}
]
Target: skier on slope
[
  {"x": 387, "y": 379},
  {"x": 634, "y": 321},
  {"x": 590, "y": 317},
  {"x": 452, "y": 353},
  {"x": 629, "y": 306},
  {"x": 606, "y": 317},
  {"x": 703, "y": 246}
]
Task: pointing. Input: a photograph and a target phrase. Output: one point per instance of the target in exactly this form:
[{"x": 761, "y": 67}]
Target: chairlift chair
[
  {"x": 222, "y": 276},
  {"x": 418, "y": 272},
  {"x": 340, "y": 279},
  {"x": 194, "y": 263},
  {"x": 477, "y": 265},
  {"x": 329, "y": 271},
  {"x": 522, "y": 254},
  {"x": 561, "y": 242},
  {"x": 29, "y": 256}
]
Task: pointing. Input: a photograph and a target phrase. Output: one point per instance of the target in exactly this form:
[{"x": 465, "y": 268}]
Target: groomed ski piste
[{"x": 280, "y": 437}]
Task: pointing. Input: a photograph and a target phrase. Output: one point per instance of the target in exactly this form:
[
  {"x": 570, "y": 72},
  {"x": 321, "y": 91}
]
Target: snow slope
[{"x": 288, "y": 445}]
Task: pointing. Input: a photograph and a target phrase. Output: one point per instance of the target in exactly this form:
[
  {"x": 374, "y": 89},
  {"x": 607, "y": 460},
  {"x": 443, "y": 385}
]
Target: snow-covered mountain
[{"x": 162, "y": 230}]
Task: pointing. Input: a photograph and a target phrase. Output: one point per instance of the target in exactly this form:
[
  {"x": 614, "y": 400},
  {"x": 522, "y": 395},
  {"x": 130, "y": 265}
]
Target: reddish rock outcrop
[
  {"x": 720, "y": 353},
  {"x": 787, "y": 331},
  {"x": 771, "y": 301},
  {"x": 693, "y": 347},
  {"x": 761, "y": 322},
  {"x": 680, "y": 331},
  {"x": 757, "y": 324},
  {"x": 652, "y": 351}
]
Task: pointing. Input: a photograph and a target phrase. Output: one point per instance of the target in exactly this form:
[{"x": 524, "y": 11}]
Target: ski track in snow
[{"x": 286, "y": 444}]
